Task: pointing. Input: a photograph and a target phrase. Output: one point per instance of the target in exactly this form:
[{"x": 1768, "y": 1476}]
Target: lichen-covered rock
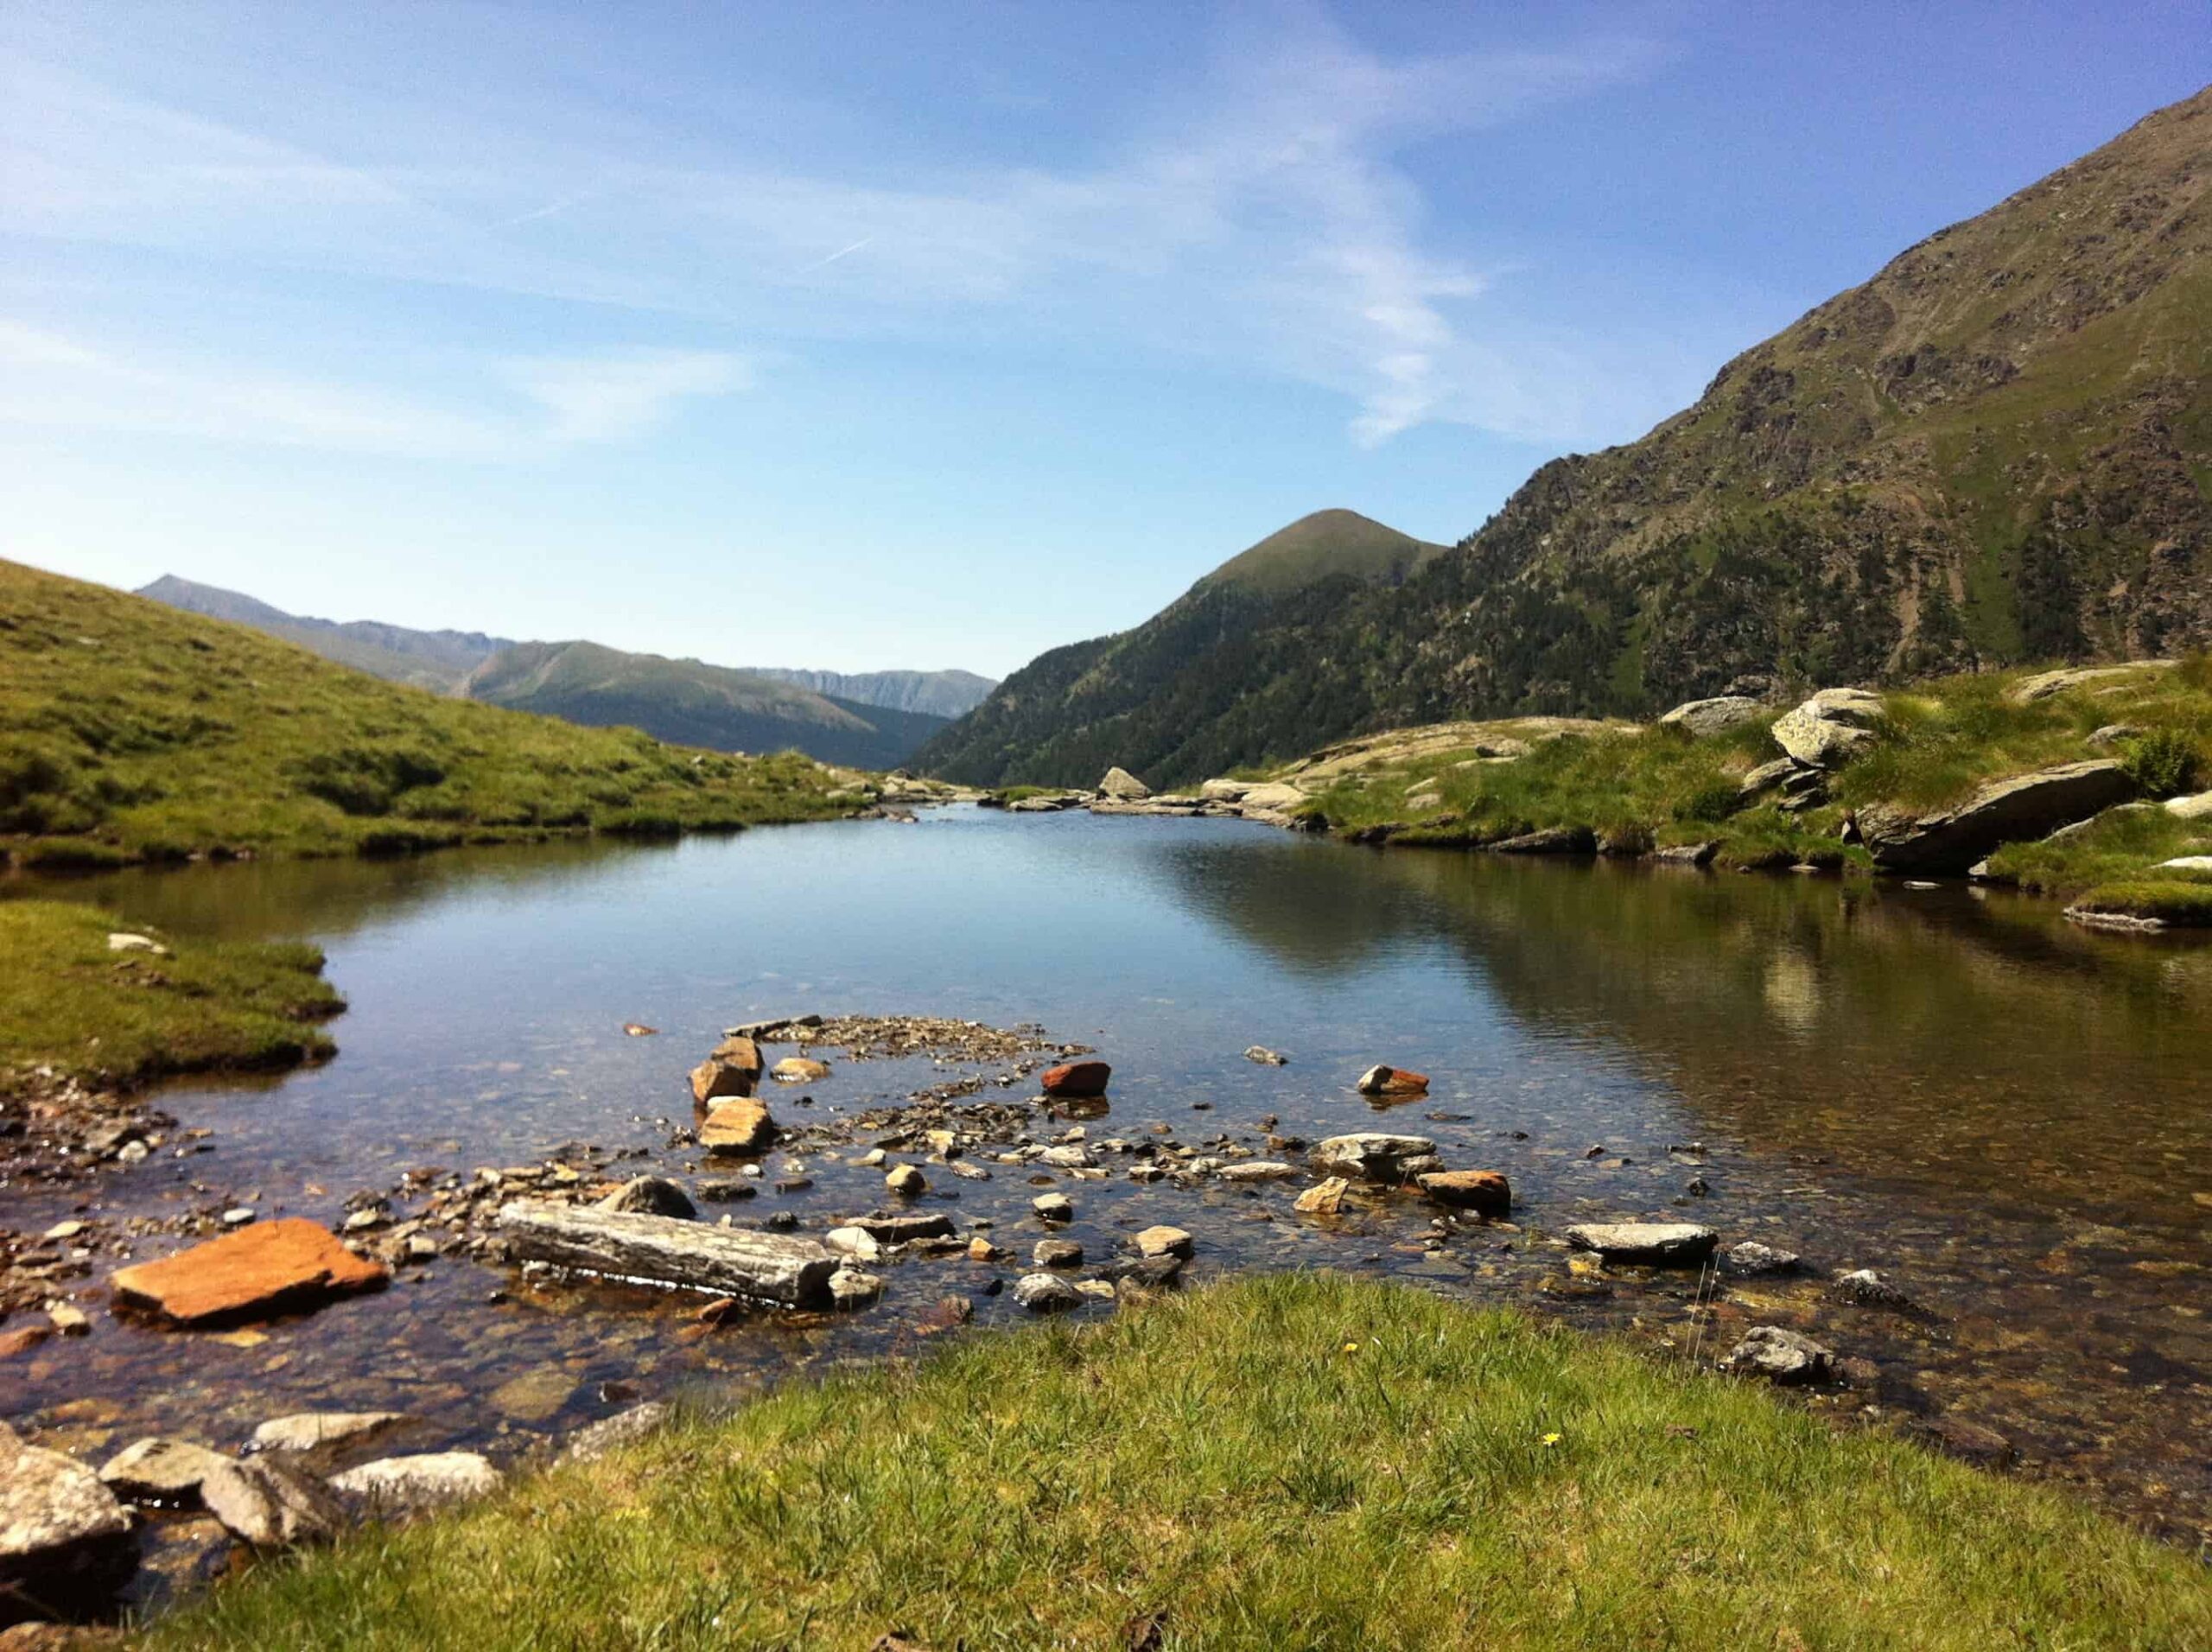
[
  {"x": 1703, "y": 718},
  {"x": 1830, "y": 726},
  {"x": 1780, "y": 1356},
  {"x": 2021, "y": 807},
  {"x": 1047, "y": 1294}
]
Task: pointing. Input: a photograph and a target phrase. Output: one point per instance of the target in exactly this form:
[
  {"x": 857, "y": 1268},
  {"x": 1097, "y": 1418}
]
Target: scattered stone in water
[
  {"x": 739, "y": 1125},
  {"x": 535, "y": 1395},
  {"x": 1393, "y": 1081},
  {"x": 1054, "y": 1207},
  {"x": 1267, "y": 1057},
  {"x": 164, "y": 1473},
  {"x": 1047, "y": 1294},
  {"x": 267, "y": 1268},
  {"x": 1486, "y": 1192},
  {"x": 309, "y": 1431},
  {"x": 1780, "y": 1356},
  {"x": 1751, "y": 1258},
  {"x": 856, "y": 1243},
  {"x": 1075, "y": 1079},
  {"x": 1868, "y": 1289},
  {"x": 68, "y": 1229},
  {"x": 238, "y": 1215},
  {"x": 1324, "y": 1198},
  {"x": 639, "y": 1030},
  {"x": 1966, "y": 1440},
  {"x": 1376, "y": 1156},
  {"x": 906, "y": 1182},
  {"x": 799, "y": 1069},
  {"x": 1656, "y": 1243},
  {"x": 1164, "y": 1241},
  {"x": 271, "y": 1506},
  {"x": 68, "y": 1319},
  {"x": 851, "y": 1288},
  {"x": 401, "y": 1485},
  {"x": 1057, "y": 1253},
  {"x": 652, "y": 1195},
  {"x": 1256, "y": 1170}
]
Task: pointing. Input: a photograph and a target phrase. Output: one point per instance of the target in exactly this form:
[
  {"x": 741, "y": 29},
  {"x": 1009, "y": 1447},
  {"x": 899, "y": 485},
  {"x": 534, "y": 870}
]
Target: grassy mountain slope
[
  {"x": 938, "y": 694},
  {"x": 1998, "y": 449},
  {"x": 1172, "y": 699},
  {"x": 694, "y": 704},
  {"x": 129, "y": 730},
  {"x": 429, "y": 659}
]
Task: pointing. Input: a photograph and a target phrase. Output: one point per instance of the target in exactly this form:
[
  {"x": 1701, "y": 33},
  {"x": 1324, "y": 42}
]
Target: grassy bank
[
  {"x": 131, "y": 731},
  {"x": 1655, "y": 787},
  {"x": 1288, "y": 1461},
  {"x": 117, "y": 1019}
]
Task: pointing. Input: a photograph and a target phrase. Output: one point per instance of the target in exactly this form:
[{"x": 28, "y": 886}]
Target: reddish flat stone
[
  {"x": 269, "y": 1268},
  {"x": 1485, "y": 1192},
  {"x": 1076, "y": 1078},
  {"x": 1393, "y": 1081}
]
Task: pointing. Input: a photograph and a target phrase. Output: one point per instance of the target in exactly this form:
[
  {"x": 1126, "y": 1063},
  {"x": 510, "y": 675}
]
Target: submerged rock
[
  {"x": 268, "y": 1268},
  {"x": 1265, "y": 1056},
  {"x": 1780, "y": 1356},
  {"x": 1671, "y": 1244},
  {"x": 1751, "y": 1258},
  {"x": 1868, "y": 1289},
  {"x": 799, "y": 1069},
  {"x": 64, "y": 1540}
]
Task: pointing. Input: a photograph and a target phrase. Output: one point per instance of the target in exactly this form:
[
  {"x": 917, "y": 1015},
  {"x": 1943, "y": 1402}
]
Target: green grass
[
  {"x": 1941, "y": 739},
  {"x": 1285, "y": 1461},
  {"x": 123, "y": 1019},
  {"x": 131, "y": 731},
  {"x": 2179, "y": 898}
]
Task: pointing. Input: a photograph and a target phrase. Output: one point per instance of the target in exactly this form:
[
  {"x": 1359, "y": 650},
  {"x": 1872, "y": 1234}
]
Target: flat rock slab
[
  {"x": 164, "y": 1472},
  {"x": 314, "y": 1431},
  {"x": 1671, "y": 1244},
  {"x": 730, "y": 1262},
  {"x": 400, "y": 1485},
  {"x": 2003, "y": 811},
  {"x": 64, "y": 1540},
  {"x": 899, "y": 1229},
  {"x": 1703, "y": 718},
  {"x": 268, "y": 1268},
  {"x": 1376, "y": 1156}
]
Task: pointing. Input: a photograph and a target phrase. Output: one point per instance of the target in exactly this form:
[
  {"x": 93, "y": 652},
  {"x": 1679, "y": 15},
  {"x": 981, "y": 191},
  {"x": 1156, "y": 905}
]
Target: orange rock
[
  {"x": 1076, "y": 1078},
  {"x": 739, "y": 1052},
  {"x": 714, "y": 1078},
  {"x": 1485, "y": 1192},
  {"x": 739, "y": 1124},
  {"x": 1393, "y": 1081},
  {"x": 269, "y": 1268}
]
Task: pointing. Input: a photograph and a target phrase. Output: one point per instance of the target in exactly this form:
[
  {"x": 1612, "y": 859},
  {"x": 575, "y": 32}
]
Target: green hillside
[
  {"x": 129, "y": 730},
  {"x": 1175, "y": 697},
  {"x": 1998, "y": 450},
  {"x": 429, "y": 659},
  {"x": 694, "y": 704}
]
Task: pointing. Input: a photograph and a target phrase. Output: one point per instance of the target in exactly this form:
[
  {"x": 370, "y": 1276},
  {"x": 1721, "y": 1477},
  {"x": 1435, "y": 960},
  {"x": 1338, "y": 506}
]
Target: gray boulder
[
  {"x": 1868, "y": 1289},
  {"x": 1124, "y": 787},
  {"x": 1715, "y": 716},
  {"x": 401, "y": 1485},
  {"x": 164, "y": 1472},
  {"x": 1672, "y": 1244},
  {"x": 2003, "y": 811},
  {"x": 1830, "y": 727},
  {"x": 309, "y": 1431},
  {"x": 595, "y": 1440},
  {"x": 1047, "y": 1294},
  {"x": 64, "y": 1540},
  {"x": 1751, "y": 1259},
  {"x": 1780, "y": 1356},
  {"x": 271, "y": 1506}
]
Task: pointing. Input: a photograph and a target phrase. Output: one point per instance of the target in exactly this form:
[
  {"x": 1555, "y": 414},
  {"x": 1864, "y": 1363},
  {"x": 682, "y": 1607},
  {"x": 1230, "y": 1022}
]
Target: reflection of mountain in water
[{"x": 1940, "y": 1039}]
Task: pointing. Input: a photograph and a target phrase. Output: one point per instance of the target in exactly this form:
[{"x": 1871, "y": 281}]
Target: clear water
[{"x": 2007, "y": 1116}]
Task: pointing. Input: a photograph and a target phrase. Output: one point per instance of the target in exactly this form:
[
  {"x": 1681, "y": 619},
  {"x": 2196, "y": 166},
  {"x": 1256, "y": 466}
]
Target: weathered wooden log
[{"x": 665, "y": 1250}]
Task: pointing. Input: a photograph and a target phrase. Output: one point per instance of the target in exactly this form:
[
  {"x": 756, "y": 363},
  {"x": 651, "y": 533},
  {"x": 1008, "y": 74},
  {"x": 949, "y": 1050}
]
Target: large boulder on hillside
[
  {"x": 65, "y": 1539},
  {"x": 2025, "y": 806},
  {"x": 1830, "y": 726},
  {"x": 269, "y": 1268},
  {"x": 1119, "y": 784},
  {"x": 1715, "y": 716}
]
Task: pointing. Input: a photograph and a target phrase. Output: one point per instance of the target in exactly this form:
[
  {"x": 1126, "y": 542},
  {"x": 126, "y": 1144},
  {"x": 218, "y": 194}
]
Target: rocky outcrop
[
  {"x": 1829, "y": 728},
  {"x": 1703, "y": 718},
  {"x": 1780, "y": 1356},
  {"x": 268, "y": 1268},
  {"x": 2028, "y": 691},
  {"x": 1122, "y": 786},
  {"x": 1549, "y": 839},
  {"x": 65, "y": 1539},
  {"x": 2025, "y": 806},
  {"x": 729, "y": 1261},
  {"x": 1668, "y": 1244},
  {"x": 1376, "y": 1156},
  {"x": 2198, "y": 807}
]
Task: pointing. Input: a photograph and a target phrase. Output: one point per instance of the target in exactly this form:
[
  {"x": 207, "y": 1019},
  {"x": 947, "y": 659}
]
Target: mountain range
[
  {"x": 871, "y": 720},
  {"x": 1998, "y": 449}
]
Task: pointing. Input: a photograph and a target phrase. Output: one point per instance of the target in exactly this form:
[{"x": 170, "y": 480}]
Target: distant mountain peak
[{"x": 1321, "y": 544}]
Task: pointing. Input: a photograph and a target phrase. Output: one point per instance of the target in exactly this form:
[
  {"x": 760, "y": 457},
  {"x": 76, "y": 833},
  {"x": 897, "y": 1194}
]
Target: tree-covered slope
[
  {"x": 1198, "y": 687},
  {"x": 694, "y": 704},
  {"x": 1998, "y": 449}
]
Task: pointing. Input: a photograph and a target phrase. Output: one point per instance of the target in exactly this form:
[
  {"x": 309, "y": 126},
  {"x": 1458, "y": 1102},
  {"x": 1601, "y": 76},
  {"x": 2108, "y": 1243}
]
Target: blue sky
[{"x": 926, "y": 335}]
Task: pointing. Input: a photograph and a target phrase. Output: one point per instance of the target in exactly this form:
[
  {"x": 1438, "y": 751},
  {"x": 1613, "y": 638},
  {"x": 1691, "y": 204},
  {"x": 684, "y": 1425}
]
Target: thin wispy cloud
[{"x": 1270, "y": 229}]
